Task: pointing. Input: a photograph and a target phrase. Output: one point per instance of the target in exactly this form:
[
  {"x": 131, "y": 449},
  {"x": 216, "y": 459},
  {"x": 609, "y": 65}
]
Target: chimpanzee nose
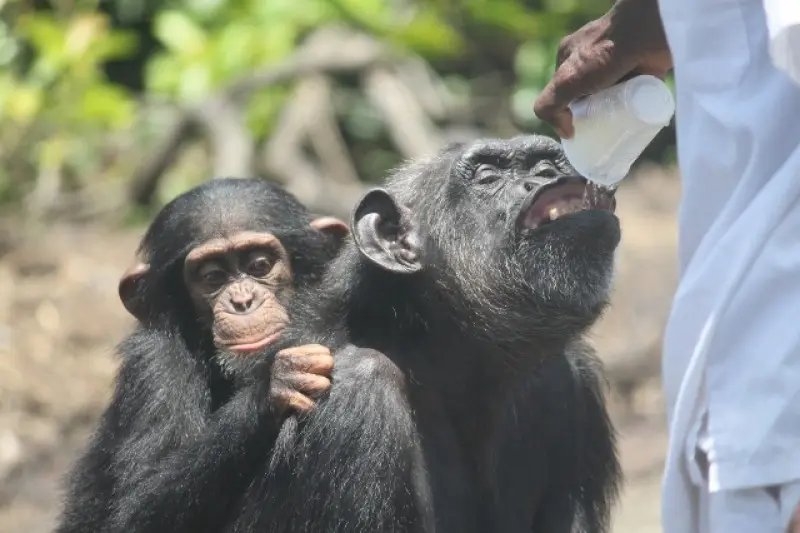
[
  {"x": 243, "y": 301},
  {"x": 540, "y": 177},
  {"x": 530, "y": 183}
]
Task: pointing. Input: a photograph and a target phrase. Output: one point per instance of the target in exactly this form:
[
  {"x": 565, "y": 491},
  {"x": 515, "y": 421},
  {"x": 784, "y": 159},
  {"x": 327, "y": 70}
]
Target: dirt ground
[{"x": 60, "y": 320}]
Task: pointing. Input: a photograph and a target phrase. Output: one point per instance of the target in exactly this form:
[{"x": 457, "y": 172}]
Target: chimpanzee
[
  {"x": 218, "y": 267},
  {"x": 464, "y": 397}
]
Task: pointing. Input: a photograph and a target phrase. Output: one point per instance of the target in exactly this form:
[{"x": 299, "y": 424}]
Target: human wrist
[{"x": 635, "y": 28}]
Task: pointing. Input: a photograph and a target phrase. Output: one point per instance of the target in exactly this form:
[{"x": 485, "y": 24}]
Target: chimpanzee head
[
  {"x": 498, "y": 235},
  {"x": 221, "y": 261}
]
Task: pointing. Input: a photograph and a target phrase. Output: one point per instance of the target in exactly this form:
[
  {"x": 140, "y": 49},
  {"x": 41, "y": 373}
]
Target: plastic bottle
[{"x": 615, "y": 125}]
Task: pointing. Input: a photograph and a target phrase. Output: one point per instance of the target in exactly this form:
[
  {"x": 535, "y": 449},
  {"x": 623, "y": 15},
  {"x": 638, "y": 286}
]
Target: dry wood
[{"x": 329, "y": 50}]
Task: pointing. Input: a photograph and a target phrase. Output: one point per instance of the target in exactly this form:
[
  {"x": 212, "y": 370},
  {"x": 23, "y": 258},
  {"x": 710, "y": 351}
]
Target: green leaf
[
  {"x": 23, "y": 103},
  {"x": 522, "y": 104},
  {"x": 428, "y": 34},
  {"x": 44, "y": 34},
  {"x": 163, "y": 74},
  {"x": 179, "y": 33},
  {"x": 207, "y": 10},
  {"x": 532, "y": 58},
  {"x": 264, "y": 108},
  {"x": 51, "y": 153},
  {"x": 234, "y": 49},
  {"x": 195, "y": 82},
  {"x": 513, "y": 17},
  {"x": 375, "y": 15},
  {"x": 116, "y": 45},
  {"x": 107, "y": 105},
  {"x": 9, "y": 46},
  {"x": 276, "y": 13}
]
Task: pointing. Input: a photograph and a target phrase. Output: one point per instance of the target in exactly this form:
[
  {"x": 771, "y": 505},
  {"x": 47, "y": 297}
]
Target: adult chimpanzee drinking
[
  {"x": 218, "y": 267},
  {"x": 464, "y": 399}
]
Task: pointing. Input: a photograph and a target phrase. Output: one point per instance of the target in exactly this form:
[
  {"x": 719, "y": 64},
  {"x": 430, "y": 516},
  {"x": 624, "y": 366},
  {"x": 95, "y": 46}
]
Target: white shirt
[{"x": 732, "y": 342}]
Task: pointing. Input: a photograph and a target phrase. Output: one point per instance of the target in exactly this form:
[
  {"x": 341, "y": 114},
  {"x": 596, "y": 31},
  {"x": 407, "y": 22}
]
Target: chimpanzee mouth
[
  {"x": 257, "y": 344},
  {"x": 562, "y": 197}
]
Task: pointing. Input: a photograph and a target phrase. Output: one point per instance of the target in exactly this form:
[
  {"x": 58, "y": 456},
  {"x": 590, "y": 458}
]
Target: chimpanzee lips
[
  {"x": 249, "y": 345},
  {"x": 561, "y": 197}
]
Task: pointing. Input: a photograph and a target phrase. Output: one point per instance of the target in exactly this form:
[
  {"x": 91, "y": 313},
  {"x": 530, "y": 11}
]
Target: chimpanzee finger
[
  {"x": 308, "y": 384},
  {"x": 306, "y": 349},
  {"x": 283, "y": 399},
  {"x": 299, "y": 403},
  {"x": 312, "y": 364}
]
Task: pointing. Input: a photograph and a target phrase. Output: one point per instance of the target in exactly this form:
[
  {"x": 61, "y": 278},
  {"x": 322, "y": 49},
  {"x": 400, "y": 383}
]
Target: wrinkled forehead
[
  {"x": 523, "y": 151},
  {"x": 434, "y": 183}
]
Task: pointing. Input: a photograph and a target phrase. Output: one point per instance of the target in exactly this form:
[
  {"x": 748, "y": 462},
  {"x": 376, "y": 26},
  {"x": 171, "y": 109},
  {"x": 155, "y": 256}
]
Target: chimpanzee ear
[
  {"x": 129, "y": 292},
  {"x": 331, "y": 226},
  {"x": 386, "y": 234}
]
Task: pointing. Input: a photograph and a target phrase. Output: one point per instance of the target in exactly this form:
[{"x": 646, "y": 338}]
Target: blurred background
[{"x": 108, "y": 109}]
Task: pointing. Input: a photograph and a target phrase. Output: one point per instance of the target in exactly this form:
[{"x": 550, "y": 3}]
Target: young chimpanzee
[
  {"x": 218, "y": 267},
  {"x": 464, "y": 399}
]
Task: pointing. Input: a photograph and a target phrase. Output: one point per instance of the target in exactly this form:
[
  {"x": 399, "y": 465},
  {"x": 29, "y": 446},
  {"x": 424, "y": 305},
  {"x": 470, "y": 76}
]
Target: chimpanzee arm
[
  {"x": 354, "y": 464},
  {"x": 90, "y": 486},
  {"x": 160, "y": 399},
  {"x": 191, "y": 489},
  {"x": 556, "y": 466}
]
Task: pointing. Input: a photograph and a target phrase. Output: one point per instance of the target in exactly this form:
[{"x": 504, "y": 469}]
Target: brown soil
[{"x": 60, "y": 320}]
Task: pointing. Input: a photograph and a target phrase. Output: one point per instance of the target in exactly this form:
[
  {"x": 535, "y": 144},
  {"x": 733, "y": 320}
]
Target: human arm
[
  {"x": 783, "y": 22},
  {"x": 627, "y": 40},
  {"x": 794, "y": 525}
]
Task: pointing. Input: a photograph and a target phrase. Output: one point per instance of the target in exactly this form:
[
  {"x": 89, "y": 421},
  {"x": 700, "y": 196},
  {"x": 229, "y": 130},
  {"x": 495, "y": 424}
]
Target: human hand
[
  {"x": 626, "y": 41},
  {"x": 794, "y": 525}
]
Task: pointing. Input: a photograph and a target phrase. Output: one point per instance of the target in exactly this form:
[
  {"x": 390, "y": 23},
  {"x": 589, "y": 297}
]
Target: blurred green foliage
[{"x": 59, "y": 105}]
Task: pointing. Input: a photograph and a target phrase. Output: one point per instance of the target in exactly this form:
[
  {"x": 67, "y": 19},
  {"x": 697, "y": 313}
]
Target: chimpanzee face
[
  {"x": 226, "y": 256},
  {"x": 531, "y": 204},
  {"x": 240, "y": 287},
  {"x": 504, "y": 223},
  {"x": 525, "y": 183}
]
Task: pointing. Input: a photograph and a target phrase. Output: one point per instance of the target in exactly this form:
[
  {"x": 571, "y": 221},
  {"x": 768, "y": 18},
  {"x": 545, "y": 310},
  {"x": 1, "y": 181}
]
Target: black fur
[
  {"x": 174, "y": 446},
  {"x": 464, "y": 399}
]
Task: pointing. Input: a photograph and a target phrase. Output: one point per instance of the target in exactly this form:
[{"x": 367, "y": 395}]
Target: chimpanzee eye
[
  {"x": 259, "y": 266},
  {"x": 212, "y": 274},
  {"x": 486, "y": 174}
]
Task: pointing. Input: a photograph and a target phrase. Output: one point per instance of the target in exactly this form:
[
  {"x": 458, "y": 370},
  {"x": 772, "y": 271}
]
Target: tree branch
[
  {"x": 409, "y": 125},
  {"x": 329, "y": 50}
]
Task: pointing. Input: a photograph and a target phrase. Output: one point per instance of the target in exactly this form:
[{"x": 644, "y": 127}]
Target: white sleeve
[{"x": 783, "y": 21}]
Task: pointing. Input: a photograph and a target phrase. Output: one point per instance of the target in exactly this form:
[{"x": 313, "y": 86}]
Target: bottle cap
[{"x": 651, "y": 102}]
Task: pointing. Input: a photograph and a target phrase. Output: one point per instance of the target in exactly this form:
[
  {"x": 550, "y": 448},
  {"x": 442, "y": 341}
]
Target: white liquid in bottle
[{"x": 615, "y": 125}]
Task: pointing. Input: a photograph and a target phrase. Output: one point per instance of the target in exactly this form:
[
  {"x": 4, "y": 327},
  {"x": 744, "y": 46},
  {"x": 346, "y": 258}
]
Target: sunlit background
[{"x": 109, "y": 109}]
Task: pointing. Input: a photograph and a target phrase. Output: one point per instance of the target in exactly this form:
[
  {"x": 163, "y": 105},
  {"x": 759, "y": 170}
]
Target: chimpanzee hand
[
  {"x": 627, "y": 40},
  {"x": 299, "y": 375}
]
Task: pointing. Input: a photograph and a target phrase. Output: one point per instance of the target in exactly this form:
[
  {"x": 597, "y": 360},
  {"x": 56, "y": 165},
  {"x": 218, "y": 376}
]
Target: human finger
[{"x": 584, "y": 72}]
